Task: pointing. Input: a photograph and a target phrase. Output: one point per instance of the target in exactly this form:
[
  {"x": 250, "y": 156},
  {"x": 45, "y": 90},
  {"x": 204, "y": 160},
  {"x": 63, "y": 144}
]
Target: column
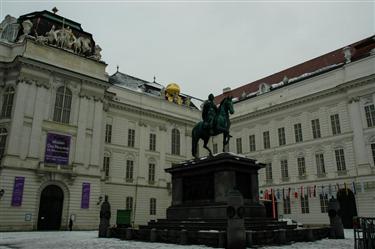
[
  {"x": 81, "y": 131},
  {"x": 15, "y": 131},
  {"x": 95, "y": 154},
  {"x": 36, "y": 128},
  {"x": 360, "y": 152}
]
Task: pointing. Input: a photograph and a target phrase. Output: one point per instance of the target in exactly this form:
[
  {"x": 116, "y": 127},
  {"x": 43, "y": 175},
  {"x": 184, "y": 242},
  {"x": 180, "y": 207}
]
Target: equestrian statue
[{"x": 215, "y": 121}]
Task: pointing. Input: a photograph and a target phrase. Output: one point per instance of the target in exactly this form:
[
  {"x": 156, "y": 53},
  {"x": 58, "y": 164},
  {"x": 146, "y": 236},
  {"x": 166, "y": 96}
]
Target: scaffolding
[{"x": 364, "y": 233}]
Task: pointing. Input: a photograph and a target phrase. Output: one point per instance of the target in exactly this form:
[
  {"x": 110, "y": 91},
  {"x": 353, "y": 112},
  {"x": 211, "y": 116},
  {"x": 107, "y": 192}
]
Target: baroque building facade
[
  {"x": 314, "y": 127},
  {"x": 70, "y": 134}
]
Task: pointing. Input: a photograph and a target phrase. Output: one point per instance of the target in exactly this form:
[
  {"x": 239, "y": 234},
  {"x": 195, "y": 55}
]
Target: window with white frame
[
  {"x": 8, "y": 96},
  {"x": 370, "y": 115},
  {"x": 284, "y": 169},
  {"x": 301, "y": 166},
  {"x": 131, "y": 137},
  {"x": 305, "y": 204},
  {"x": 239, "y": 145},
  {"x": 3, "y": 139},
  {"x": 340, "y": 159},
  {"x": 281, "y": 132},
  {"x": 266, "y": 140},
  {"x": 106, "y": 162},
  {"x": 152, "y": 142},
  {"x": 298, "y": 132},
  {"x": 129, "y": 203},
  {"x": 151, "y": 173},
  {"x": 252, "y": 143},
  {"x": 63, "y": 104},
  {"x": 129, "y": 170},
  {"x": 153, "y": 206},
  {"x": 108, "y": 133},
  {"x": 320, "y": 167},
  {"x": 269, "y": 171},
  {"x": 315, "y": 125},
  {"x": 335, "y": 123},
  {"x": 175, "y": 142},
  {"x": 323, "y": 203},
  {"x": 286, "y": 205}
]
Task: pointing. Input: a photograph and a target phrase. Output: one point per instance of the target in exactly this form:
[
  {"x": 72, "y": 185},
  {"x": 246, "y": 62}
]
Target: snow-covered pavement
[{"x": 89, "y": 240}]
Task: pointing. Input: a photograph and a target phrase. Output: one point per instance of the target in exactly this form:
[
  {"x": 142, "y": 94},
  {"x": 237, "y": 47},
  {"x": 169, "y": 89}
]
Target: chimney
[{"x": 227, "y": 90}]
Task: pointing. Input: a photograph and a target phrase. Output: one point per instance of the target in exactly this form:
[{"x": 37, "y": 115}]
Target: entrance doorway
[
  {"x": 50, "y": 208},
  {"x": 348, "y": 207}
]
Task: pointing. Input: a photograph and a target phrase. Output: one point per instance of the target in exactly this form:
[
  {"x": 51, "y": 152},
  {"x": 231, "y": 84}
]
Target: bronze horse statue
[{"x": 221, "y": 125}]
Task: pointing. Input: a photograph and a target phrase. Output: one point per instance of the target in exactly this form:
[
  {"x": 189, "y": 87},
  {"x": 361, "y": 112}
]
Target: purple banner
[
  {"x": 19, "y": 182},
  {"x": 57, "y": 149},
  {"x": 85, "y": 201}
]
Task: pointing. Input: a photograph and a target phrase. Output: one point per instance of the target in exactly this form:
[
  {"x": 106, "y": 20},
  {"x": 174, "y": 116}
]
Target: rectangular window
[
  {"x": 340, "y": 160},
  {"x": 305, "y": 204},
  {"x": 298, "y": 132},
  {"x": 239, "y": 145},
  {"x": 129, "y": 203},
  {"x": 252, "y": 143},
  {"x": 214, "y": 148},
  {"x": 131, "y": 137},
  {"x": 373, "y": 152},
  {"x": 320, "y": 167},
  {"x": 108, "y": 133},
  {"x": 106, "y": 166},
  {"x": 284, "y": 170},
  {"x": 301, "y": 166},
  {"x": 370, "y": 115},
  {"x": 315, "y": 128},
  {"x": 151, "y": 173},
  {"x": 129, "y": 170},
  {"x": 335, "y": 123},
  {"x": 286, "y": 205},
  {"x": 152, "y": 142},
  {"x": 152, "y": 206},
  {"x": 269, "y": 172},
  {"x": 282, "y": 140},
  {"x": 324, "y": 203},
  {"x": 266, "y": 140}
]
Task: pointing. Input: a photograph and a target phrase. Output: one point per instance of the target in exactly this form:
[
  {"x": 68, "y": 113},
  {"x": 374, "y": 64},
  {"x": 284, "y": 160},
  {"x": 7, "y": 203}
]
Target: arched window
[
  {"x": 62, "y": 105},
  {"x": 3, "y": 139},
  {"x": 6, "y": 109},
  {"x": 175, "y": 142}
]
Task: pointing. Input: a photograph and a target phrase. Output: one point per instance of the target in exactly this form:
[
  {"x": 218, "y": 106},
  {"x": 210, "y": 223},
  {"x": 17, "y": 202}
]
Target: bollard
[
  {"x": 128, "y": 234},
  {"x": 221, "y": 241},
  {"x": 282, "y": 236},
  {"x": 249, "y": 238},
  {"x": 183, "y": 237},
  {"x": 236, "y": 237},
  {"x": 310, "y": 235},
  {"x": 153, "y": 235}
]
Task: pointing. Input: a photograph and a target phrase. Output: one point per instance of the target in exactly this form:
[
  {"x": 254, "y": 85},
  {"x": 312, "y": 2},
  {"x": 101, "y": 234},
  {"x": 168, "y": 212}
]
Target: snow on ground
[{"x": 90, "y": 240}]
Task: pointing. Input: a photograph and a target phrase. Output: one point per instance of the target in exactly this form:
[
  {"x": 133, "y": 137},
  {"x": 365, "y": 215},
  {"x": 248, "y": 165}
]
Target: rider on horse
[{"x": 209, "y": 113}]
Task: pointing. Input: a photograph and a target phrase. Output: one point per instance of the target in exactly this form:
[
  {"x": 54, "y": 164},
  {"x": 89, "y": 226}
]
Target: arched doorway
[
  {"x": 348, "y": 207},
  {"x": 50, "y": 208}
]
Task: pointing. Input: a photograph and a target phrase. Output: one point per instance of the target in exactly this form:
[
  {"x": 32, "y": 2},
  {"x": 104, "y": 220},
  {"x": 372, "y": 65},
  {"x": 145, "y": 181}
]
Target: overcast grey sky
[{"x": 205, "y": 46}]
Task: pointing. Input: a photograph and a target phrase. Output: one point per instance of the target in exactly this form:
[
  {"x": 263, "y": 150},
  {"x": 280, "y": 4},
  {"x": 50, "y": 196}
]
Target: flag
[{"x": 353, "y": 188}]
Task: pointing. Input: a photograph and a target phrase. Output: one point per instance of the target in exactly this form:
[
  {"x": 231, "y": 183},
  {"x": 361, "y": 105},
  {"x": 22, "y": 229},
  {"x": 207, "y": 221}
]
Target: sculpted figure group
[{"x": 63, "y": 38}]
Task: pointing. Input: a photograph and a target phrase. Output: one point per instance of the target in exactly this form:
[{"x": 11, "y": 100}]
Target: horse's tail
[{"x": 195, "y": 139}]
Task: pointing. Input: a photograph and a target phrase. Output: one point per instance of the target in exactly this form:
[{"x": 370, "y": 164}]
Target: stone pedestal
[{"x": 200, "y": 187}]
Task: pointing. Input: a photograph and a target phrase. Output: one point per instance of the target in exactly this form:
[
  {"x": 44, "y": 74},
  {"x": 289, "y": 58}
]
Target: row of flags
[{"x": 311, "y": 191}]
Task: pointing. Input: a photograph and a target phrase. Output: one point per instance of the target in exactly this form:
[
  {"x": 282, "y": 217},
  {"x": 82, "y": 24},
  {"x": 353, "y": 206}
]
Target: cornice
[
  {"x": 51, "y": 69},
  {"x": 309, "y": 98},
  {"x": 149, "y": 113}
]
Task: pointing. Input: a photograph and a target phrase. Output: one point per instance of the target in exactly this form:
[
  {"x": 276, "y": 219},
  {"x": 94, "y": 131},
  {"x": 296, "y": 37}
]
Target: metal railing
[{"x": 364, "y": 233}]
